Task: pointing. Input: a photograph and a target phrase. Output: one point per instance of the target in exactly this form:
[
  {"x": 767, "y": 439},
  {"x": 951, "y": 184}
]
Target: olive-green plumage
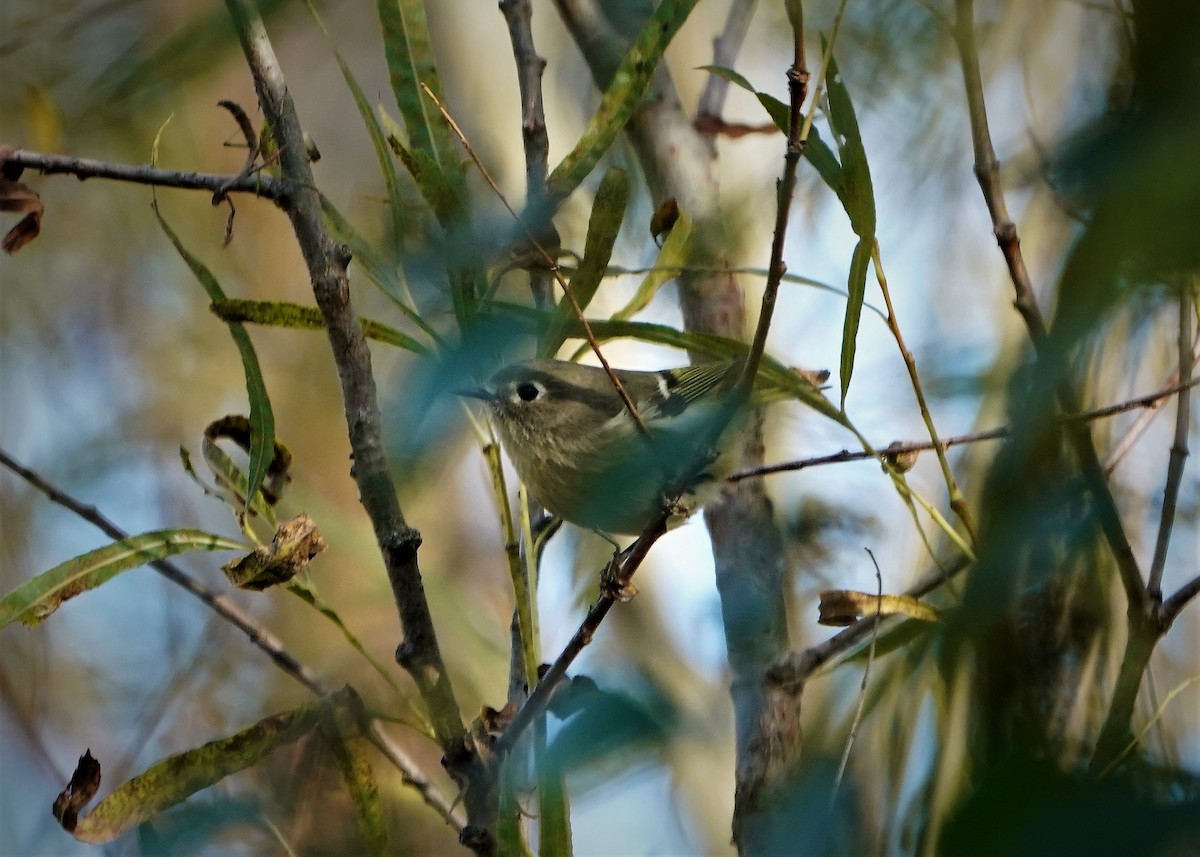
[{"x": 579, "y": 451}]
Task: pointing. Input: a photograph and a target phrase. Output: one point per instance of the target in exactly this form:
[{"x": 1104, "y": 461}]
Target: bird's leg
[{"x": 610, "y": 578}]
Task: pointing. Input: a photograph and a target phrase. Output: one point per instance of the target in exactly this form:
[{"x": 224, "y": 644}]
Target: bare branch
[
  {"x": 987, "y": 171},
  {"x": 629, "y": 563},
  {"x": 1179, "y": 450},
  {"x": 219, "y": 603},
  {"x": 898, "y": 448},
  {"x": 327, "y": 262},
  {"x": 268, "y": 187}
]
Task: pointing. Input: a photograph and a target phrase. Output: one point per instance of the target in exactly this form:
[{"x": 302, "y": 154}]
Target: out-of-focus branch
[
  {"x": 987, "y": 171},
  {"x": 748, "y": 552},
  {"x": 1179, "y": 449},
  {"x": 268, "y": 187},
  {"x": 327, "y": 262},
  {"x": 726, "y": 48}
]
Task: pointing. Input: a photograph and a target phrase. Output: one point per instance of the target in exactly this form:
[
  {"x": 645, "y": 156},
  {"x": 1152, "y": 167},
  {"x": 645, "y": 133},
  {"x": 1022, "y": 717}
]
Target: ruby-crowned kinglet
[{"x": 581, "y": 454}]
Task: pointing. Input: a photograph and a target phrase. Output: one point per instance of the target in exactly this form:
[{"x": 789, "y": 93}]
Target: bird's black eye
[{"x": 527, "y": 391}]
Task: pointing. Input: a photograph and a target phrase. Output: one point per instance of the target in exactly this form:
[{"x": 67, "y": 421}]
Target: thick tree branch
[{"x": 327, "y": 262}]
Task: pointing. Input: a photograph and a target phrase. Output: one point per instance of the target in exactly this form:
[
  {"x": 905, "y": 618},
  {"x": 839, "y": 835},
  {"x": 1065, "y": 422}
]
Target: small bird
[{"x": 582, "y": 455}]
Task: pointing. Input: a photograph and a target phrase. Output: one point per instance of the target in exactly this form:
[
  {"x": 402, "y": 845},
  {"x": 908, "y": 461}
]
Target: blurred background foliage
[{"x": 109, "y": 361}]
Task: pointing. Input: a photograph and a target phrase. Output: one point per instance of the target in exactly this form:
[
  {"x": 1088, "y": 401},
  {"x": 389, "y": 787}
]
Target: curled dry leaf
[
  {"x": 841, "y": 607},
  {"x": 85, "y": 782},
  {"x": 295, "y": 544},
  {"x": 21, "y": 199}
]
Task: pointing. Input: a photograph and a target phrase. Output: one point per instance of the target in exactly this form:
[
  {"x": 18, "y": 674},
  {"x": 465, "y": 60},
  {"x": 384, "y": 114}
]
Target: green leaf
[
  {"x": 608, "y": 211},
  {"x": 379, "y": 142},
  {"x": 826, "y": 164},
  {"x": 621, "y": 98},
  {"x": 262, "y": 417},
  {"x": 34, "y": 600},
  {"x": 177, "y": 777},
  {"x": 409, "y": 54},
  {"x": 858, "y": 193},
  {"x": 856, "y": 286},
  {"x": 343, "y": 730},
  {"x": 672, "y": 257},
  {"x": 299, "y": 317}
]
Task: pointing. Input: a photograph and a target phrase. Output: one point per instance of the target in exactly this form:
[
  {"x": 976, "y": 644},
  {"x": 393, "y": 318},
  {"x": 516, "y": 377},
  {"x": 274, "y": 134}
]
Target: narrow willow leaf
[
  {"x": 621, "y": 98},
  {"x": 383, "y": 153},
  {"x": 379, "y": 272},
  {"x": 177, "y": 777},
  {"x": 858, "y": 195},
  {"x": 409, "y": 54},
  {"x": 34, "y": 600},
  {"x": 826, "y": 163},
  {"x": 262, "y": 417},
  {"x": 672, "y": 257},
  {"x": 343, "y": 731},
  {"x": 608, "y": 211},
  {"x": 300, "y": 317},
  {"x": 856, "y": 288}
]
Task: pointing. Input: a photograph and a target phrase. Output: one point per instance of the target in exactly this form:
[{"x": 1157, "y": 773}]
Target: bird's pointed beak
[{"x": 475, "y": 393}]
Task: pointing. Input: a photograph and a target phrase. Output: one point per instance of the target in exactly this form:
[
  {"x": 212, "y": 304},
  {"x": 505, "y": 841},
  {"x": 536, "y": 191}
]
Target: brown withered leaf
[
  {"x": 21, "y": 199},
  {"x": 85, "y": 782},
  {"x": 842, "y": 607},
  {"x": 295, "y": 544}
]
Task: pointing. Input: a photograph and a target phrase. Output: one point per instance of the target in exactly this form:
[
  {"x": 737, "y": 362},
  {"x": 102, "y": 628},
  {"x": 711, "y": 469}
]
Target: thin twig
[
  {"x": 1179, "y": 450},
  {"x": 410, "y": 772},
  {"x": 540, "y": 695},
  {"x": 547, "y": 259},
  {"x": 1122, "y": 447},
  {"x": 897, "y": 448},
  {"x": 218, "y": 602},
  {"x": 797, "y": 77},
  {"x": 267, "y": 187},
  {"x": 862, "y": 690}
]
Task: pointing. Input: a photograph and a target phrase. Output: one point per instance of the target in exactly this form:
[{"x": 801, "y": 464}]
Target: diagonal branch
[{"x": 327, "y": 261}]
